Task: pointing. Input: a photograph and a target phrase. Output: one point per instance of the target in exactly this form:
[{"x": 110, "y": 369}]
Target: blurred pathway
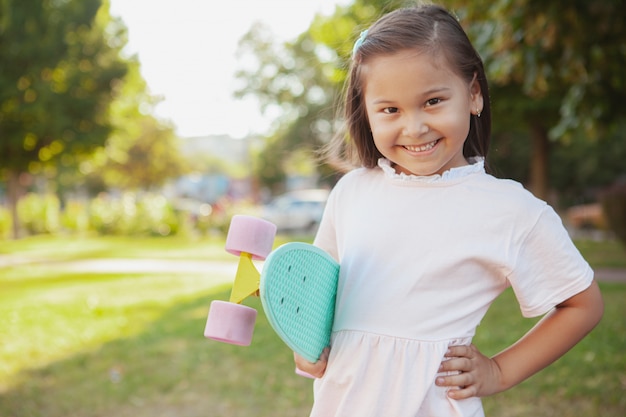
[
  {"x": 121, "y": 265},
  {"x": 611, "y": 275},
  {"x": 149, "y": 266}
]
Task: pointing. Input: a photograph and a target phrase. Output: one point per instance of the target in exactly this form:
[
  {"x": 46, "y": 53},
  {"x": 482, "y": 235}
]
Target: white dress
[{"x": 422, "y": 259}]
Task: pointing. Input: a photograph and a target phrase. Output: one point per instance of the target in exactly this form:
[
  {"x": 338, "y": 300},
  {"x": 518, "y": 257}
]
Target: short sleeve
[{"x": 549, "y": 269}]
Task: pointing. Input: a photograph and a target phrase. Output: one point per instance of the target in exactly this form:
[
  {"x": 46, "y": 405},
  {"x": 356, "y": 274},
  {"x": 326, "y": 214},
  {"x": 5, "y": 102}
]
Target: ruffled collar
[{"x": 477, "y": 165}]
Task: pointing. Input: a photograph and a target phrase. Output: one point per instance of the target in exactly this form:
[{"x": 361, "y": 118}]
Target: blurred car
[{"x": 297, "y": 211}]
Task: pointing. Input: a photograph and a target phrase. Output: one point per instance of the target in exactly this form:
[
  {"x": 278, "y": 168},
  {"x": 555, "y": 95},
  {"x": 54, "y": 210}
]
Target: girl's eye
[
  {"x": 433, "y": 101},
  {"x": 390, "y": 110}
]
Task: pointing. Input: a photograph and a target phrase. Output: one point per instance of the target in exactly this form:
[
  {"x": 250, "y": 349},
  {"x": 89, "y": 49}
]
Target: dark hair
[{"x": 431, "y": 29}]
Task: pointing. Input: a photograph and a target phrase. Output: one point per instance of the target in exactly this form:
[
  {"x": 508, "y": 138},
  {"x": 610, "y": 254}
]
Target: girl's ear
[{"x": 476, "y": 96}]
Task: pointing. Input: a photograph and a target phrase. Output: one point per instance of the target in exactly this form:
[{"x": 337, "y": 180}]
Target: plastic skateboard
[
  {"x": 297, "y": 287},
  {"x": 298, "y": 290}
]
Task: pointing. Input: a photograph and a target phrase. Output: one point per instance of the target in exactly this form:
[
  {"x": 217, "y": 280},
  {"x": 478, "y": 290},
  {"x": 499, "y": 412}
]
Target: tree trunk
[
  {"x": 13, "y": 190},
  {"x": 539, "y": 161}
]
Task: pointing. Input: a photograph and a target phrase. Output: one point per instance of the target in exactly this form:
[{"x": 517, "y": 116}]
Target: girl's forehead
[
  {"x": 407, "y": 75},
  {"x": 406, "y": 60}
]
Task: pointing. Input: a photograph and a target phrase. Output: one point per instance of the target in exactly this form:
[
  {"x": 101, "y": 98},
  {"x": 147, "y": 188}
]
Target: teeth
[{"x": 421, "y": 148}]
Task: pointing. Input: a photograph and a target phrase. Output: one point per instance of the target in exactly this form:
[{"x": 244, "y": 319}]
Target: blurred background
[
  {"x": 132, "y": 130},
  {"x": 204, "y": 107}
]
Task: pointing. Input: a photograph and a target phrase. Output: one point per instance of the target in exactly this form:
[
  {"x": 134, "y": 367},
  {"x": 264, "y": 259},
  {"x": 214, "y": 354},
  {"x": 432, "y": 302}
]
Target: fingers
[
  {"x": 460, "y": 386},
  {"x": 461, "y": 366},
  {"x": 461, "y": 359},
  {"x": 456, "y": 364},
  {"x": 461, "y": 351},
  {"x": 462, "y": 393},
  {"x": 316, "y": 369}
]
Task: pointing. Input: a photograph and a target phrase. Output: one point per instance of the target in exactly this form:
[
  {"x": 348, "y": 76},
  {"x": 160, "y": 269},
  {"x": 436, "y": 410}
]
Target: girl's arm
[{"x": 550, "y": 339}]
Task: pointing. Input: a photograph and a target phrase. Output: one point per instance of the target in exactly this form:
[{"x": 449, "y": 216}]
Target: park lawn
[
  {"x": 102, "y": 344},
  {"x": 604, "y": 254}
]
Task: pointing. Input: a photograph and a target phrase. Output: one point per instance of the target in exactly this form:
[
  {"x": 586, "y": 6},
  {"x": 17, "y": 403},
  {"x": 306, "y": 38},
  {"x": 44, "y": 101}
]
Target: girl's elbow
[
  {"x": 595, "y": 304},
  {"x": 599, "y": 309},
  {"x": 589, "y": 307}
]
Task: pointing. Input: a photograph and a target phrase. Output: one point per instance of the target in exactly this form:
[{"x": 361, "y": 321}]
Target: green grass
[
  {"x": 605, "y": 254},
  {"x": 47, "y": 248},
  {"x": 102, "y": 344}
]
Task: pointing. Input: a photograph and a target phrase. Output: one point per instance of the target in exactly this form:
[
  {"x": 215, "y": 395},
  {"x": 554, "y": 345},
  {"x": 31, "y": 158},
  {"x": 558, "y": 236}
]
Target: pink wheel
[
  {"x": 251, "y": 235},
  {"x": 230, "y": 323}
]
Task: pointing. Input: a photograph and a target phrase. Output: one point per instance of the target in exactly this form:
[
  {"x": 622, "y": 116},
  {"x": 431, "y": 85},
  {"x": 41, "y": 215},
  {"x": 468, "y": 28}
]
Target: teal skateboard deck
[{"x": 298, "y": 287}]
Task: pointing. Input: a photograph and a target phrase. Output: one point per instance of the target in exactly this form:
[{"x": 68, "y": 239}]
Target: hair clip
[{"x": 359, "y": 42}]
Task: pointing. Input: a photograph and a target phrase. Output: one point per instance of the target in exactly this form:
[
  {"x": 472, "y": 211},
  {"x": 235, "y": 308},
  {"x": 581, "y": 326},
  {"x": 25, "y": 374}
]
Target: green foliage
[
  {"x": 286, "y": 77},
  {"x": 149, "y": 160},
  {"x": 59, "y": 67},
  {"x": 74, "y": 111},
  {"x": 75, "y": 218},
  {"x": 39, "y": 213},
  {"x": 130, "y": 214},
  {"x": 582, "y": 167},
  {"x": 141, "y": 152},
  {"x": 133, "y": 214},
  {"x": 509, "y": 155},
  {"x": 6, "y": 223},
  {"x": 555, "y": 70},
  {"x": 561, "y": 62}
]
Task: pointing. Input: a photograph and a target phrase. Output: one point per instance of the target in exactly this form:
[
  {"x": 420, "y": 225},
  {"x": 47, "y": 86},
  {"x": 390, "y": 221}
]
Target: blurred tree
[
  {"x": 581, "y": 168},
  {"x": 141, "y": 152},
  {"x": 59, "y": 68},
  {"x": 146, "y": 161},
  {"x": 286, "y": 81},
  {"x": 556, "y": 68}
]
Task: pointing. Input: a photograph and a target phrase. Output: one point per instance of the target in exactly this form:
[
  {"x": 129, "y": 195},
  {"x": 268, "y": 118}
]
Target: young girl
[{"x": 426, "y": 239}]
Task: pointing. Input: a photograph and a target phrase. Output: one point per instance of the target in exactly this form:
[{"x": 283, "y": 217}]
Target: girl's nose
[{"x": 415, "y": 126}]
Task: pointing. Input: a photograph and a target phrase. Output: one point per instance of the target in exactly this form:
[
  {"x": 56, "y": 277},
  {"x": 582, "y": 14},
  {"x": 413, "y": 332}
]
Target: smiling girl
[{"x": 427, "y": 239}]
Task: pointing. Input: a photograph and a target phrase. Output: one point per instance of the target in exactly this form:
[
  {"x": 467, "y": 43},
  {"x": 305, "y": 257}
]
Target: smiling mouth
[{"x": 421, "y": 148}]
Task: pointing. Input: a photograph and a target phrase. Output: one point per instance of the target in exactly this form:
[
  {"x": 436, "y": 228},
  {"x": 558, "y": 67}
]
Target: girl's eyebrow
[
  {"x": 436, "y": 90},
  {"x": 382, "y": 101},
  {"x": 430, "y": 92}
]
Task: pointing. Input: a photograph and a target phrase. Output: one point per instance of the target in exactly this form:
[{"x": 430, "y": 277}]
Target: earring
[{"x": 478, "y": 112}]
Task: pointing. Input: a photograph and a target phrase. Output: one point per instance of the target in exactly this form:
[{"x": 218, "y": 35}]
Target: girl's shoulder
[
  {"x": 357, "y": 175},
  {"x": 355, "y": 183},
  {"x": 507, "y": 193},
  {"x": 505, "y": 185}
]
